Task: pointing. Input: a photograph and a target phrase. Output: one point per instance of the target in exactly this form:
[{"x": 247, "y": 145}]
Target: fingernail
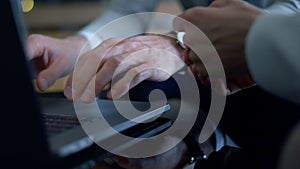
[
  {"x": 88, "y": 96},
  {"x": 44, "y": 84},
  {"x": 109, "y": 95},
  {"x": 74, "y": 94},
  {"x": 113, "y": 94},
  {"x": 68, "y": 92}
]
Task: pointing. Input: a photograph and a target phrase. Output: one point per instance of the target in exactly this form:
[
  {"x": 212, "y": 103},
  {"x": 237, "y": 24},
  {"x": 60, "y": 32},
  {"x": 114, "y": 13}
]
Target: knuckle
[
  {"x": 190, "y": 14},
  {"x": 34, "y": 39},
  {"x": 135, "y": 71}
]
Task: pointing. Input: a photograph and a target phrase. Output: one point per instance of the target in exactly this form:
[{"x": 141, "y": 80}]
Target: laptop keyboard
[{"x": 56, "y": 123}]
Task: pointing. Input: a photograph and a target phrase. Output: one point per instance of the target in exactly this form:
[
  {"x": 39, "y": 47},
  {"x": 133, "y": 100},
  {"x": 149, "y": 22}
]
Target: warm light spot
[{"x": 27, "y": 5}]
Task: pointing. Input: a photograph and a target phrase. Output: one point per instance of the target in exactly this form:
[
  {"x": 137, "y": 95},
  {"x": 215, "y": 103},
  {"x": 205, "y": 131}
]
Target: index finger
[
  {"x": 88, "y": 65},
  {"x": 34, "y": 46}
]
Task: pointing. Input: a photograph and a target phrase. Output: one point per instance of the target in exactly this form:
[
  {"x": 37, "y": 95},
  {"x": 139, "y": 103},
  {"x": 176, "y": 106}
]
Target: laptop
[{"x": 39, "y": 131}]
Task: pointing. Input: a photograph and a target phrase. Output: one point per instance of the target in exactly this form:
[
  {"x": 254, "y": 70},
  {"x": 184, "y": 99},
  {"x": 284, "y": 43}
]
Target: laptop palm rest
[{"x": 76, "y": 139}]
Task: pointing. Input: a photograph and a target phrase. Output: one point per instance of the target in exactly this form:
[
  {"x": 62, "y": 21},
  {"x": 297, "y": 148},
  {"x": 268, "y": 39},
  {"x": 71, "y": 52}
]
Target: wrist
[
  {"x": 182, "y": 50},
  {"x": 79, "y": 42}
]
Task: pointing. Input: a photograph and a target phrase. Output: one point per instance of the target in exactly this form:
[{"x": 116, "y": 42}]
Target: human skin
[
  {"x": 147, "y": 57},
  {"x": 226, "y": 24}
]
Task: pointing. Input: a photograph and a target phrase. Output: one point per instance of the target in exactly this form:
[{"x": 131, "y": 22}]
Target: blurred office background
[{"x": 63, "y": 17}]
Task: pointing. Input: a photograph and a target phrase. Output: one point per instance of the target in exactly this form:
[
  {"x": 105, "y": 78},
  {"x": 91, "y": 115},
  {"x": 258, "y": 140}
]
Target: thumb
[{"x": 47, "y": 77}]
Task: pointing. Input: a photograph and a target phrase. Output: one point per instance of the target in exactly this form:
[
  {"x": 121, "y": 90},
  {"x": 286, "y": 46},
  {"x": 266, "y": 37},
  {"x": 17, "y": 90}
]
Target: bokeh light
[{"x": 27, "y": 5}]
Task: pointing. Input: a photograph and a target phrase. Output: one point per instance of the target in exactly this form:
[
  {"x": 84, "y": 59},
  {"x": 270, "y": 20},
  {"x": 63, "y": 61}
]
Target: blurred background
[{"x": 63, "y": 17}]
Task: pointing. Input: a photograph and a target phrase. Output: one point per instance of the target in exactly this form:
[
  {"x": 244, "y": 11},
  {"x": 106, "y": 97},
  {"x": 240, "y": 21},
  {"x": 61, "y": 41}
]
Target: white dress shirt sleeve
[{"x": 117, "y": 9}]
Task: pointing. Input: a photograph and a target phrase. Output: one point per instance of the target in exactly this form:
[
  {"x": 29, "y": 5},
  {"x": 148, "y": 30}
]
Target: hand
[
  {"x": 225, "y": 23},
  {"x": 53, "y": 58},
  {"x": 130, "y": 61}
]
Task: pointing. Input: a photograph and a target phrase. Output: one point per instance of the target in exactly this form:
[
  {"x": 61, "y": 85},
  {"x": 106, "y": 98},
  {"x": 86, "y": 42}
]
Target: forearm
[{"x": 272, "y": 51}]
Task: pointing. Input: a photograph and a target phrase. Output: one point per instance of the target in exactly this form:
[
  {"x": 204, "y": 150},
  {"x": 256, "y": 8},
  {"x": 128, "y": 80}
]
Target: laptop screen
[{"x": 22, "y": 130}]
